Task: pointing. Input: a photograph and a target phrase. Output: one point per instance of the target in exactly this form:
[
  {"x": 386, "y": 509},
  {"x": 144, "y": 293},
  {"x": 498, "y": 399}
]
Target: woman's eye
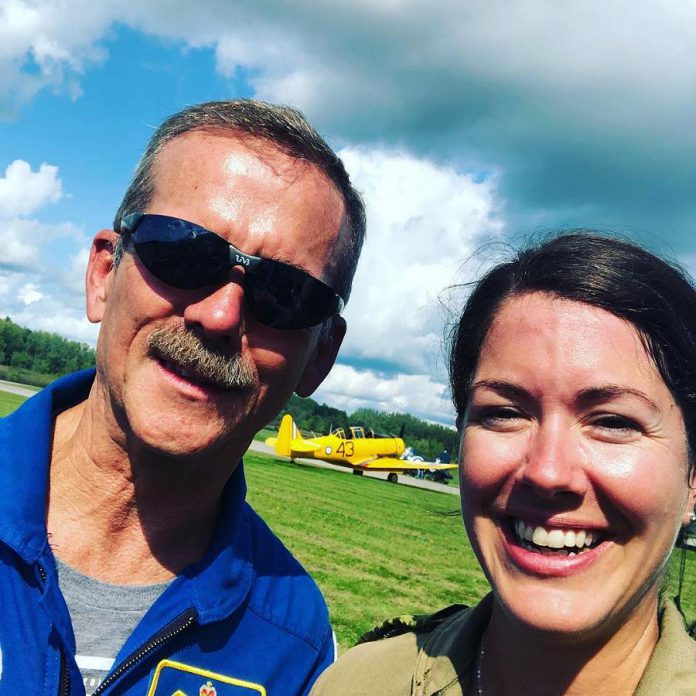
[
  {"x": 617, "y": 426},
  {"x": 498, "y": 417}
]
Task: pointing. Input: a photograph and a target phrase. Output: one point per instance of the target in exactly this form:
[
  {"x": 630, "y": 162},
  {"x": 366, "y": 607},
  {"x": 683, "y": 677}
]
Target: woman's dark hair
[{"x": 620, "y": 277}]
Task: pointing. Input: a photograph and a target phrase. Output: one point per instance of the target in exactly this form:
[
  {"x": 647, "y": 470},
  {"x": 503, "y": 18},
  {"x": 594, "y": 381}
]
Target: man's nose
[
  {"x": 220, "y": 312},
  {"x": 554, "y": 462}
]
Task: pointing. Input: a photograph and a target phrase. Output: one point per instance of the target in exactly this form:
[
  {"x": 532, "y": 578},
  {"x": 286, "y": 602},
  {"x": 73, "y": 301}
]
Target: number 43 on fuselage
[{"x": 361, "y": 450}]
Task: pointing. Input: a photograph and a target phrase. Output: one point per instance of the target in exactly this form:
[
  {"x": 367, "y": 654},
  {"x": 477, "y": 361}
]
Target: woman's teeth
[{"x": 570, "y": 541}]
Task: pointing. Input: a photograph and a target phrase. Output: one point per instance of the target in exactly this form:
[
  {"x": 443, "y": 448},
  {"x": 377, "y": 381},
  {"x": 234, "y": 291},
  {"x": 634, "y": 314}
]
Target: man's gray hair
[{"x": 283, "y": 126}]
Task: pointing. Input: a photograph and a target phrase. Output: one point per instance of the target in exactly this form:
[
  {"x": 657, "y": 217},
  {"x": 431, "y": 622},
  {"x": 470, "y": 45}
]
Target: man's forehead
[
  {"x": 245, "y": 154},
  {"x": 230, "y": 181}
]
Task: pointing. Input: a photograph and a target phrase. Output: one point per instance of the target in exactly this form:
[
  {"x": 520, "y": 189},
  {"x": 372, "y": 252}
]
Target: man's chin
[{"x": 187, "y": 439}]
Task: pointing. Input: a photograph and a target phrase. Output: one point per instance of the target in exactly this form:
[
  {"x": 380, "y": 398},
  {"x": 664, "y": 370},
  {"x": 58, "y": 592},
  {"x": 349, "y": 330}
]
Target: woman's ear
[
  {"x": 689, "y": 513},
  {"x": 99, "y": 273}
]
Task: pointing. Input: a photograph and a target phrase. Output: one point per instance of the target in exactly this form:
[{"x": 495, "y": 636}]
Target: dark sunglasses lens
[
  {"x": 287, "y": 298},
  {"x": 186, "y": 256},
  {"x": 182, "y": 256}
]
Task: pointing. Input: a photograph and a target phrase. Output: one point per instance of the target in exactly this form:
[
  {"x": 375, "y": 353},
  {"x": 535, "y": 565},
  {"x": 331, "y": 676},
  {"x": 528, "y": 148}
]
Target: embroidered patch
[{"x": 177, "y": 679}]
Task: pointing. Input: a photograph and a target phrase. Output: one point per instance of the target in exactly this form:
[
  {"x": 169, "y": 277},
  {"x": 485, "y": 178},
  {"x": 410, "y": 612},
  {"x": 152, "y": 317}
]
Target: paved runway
[
  {"x": 258, "y": 446},
  {"x": 14, "y": 388}
]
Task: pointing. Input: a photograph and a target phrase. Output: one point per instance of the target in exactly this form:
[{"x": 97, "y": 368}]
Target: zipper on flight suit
[
  {"x": 64, "y": 679},
  {"x": 171, "y": 630},
  {"x": 64, "y": 683}
]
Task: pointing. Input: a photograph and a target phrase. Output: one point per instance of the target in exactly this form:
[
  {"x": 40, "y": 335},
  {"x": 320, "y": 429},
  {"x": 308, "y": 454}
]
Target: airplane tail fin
[{"x": 287, "y": 432}]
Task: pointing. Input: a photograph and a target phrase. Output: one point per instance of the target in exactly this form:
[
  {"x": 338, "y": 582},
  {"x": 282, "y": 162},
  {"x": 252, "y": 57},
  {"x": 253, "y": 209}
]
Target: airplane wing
[{"x": 394, "y": 464}]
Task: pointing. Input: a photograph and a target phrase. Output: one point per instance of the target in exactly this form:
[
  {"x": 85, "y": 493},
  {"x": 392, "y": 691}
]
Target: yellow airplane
[{"x": 361, "y": 450}]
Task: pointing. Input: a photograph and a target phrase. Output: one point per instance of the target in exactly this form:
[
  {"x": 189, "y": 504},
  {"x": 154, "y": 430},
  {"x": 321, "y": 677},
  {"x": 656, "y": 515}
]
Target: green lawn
[
  {"x": 264, "y": 433},
  {"x": 9, "y": 402},
  {"x": 377, "y": 550}
]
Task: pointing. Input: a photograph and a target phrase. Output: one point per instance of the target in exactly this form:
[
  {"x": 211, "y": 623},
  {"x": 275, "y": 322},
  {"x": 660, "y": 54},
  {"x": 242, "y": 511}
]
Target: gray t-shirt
[{"x": 103, "y": 616}]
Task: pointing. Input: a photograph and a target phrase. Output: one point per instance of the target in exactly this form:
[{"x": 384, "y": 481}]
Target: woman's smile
[{"x": 547, "y": 550}]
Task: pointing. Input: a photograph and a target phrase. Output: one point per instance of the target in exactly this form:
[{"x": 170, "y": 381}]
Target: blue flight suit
[{"x": 245, "y": 620}]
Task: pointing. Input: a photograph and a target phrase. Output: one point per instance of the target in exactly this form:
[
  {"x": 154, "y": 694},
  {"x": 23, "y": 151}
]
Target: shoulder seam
[
  {"x": 283, "y": 627},
  {"x": 417, "y": 623}
]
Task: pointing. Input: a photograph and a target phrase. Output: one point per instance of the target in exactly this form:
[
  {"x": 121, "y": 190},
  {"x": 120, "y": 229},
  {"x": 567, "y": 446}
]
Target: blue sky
[{"x": 461, "y": 123}]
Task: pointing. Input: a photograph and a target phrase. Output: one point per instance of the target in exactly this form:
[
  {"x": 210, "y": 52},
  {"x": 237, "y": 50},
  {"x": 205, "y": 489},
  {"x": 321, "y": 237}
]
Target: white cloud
[
  {"x": 72, "y": 276},
  {"x": 38, "y": 288},
  {"x": 37, "y": 301},
  {"x": 20, "y": 250},
  {"x": 25, "y": 240},
  {"x": 4, "y": 285},
  {"x": 30, "y": 294},
  {"x": 324, "y": 54},
  {"x": 22, "y": 191},
  {"x": 46, "y": 44},
  {"x": 423, "y": 222},
  {"x": 349, "y": 389}
]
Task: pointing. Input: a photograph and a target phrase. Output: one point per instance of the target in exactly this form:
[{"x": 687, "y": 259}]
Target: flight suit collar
[
  {"x": 672, "y": 666},
  {"x": 25, "y": 451},
  {"x": 448, "y": 655}
]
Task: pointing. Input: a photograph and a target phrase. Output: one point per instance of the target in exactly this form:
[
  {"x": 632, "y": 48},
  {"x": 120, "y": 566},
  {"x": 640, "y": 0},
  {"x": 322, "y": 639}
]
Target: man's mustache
[{"x": 188, "y": 351}]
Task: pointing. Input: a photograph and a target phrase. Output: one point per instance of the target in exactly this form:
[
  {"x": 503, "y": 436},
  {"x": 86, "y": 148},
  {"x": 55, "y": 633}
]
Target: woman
[{"x": 573, "y": 372}]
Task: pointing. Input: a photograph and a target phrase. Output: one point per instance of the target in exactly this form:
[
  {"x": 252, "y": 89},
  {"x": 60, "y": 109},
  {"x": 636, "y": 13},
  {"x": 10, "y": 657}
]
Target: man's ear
[
  {"x": 323, "y": 358},
  {"x": 99, "y": 273}
]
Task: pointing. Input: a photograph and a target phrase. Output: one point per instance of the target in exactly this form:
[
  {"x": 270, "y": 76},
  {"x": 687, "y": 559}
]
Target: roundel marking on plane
[{"x": 327, "y": 450}]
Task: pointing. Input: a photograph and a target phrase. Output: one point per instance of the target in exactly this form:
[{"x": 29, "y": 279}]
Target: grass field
[
  {"x": 264, "y": 433},
  {"x": 9, "y": 402},
  {"x": 376, "y": 550}
]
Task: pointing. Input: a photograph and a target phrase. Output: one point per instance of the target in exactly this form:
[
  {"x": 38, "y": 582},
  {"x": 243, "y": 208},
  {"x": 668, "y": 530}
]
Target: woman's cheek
[
  {"x": 488, "y": 459},
  {"x": 640, "y": 481}
]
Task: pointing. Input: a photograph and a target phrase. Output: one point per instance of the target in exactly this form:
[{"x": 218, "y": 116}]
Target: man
[{"x": 128, "y": 557}]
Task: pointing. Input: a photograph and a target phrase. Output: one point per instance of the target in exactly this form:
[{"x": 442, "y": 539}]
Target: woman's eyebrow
[
  {"x": 509, "y": 389},
  {"x": 586, "y": 397},
  {"x": 595, "y": 395}
]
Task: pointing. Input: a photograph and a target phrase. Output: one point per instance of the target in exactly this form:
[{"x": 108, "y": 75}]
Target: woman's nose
[{"x": 553, "y": 462}]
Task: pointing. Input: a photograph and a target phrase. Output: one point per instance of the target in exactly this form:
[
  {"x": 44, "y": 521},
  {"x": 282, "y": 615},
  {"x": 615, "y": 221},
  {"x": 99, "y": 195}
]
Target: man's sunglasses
[{"x": 187, "y": 256}]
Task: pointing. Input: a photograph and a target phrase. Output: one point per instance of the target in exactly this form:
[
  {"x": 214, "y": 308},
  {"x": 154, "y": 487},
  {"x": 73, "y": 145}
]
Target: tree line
[
  {"x": 37, "y": 357},
  {"x": 44, "y": 354}
]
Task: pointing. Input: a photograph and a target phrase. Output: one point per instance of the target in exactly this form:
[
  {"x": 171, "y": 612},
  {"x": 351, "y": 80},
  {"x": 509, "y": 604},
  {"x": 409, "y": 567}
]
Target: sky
[{"x": 467, "y": 126}]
